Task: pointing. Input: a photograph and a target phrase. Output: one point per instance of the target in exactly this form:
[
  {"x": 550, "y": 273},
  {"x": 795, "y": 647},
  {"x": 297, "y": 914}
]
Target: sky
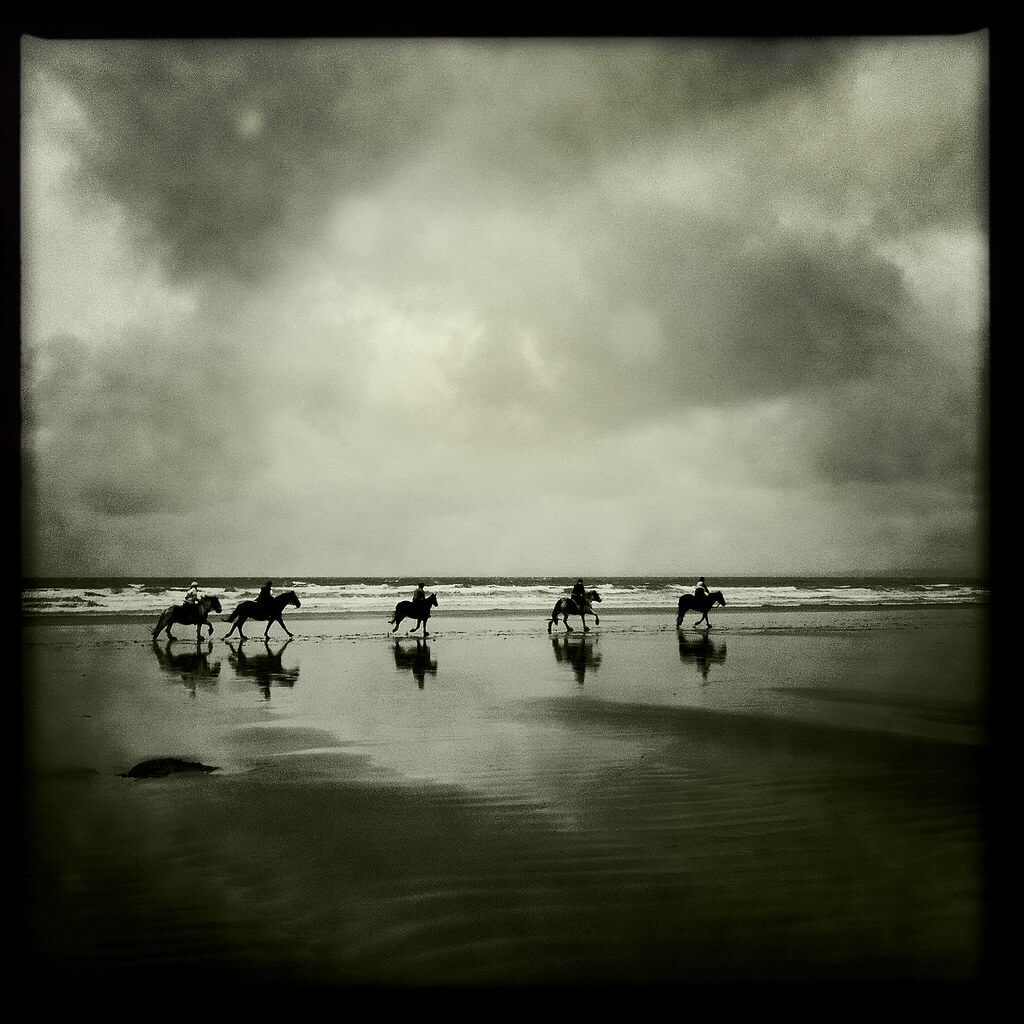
[{"x": 446, "y": 307}]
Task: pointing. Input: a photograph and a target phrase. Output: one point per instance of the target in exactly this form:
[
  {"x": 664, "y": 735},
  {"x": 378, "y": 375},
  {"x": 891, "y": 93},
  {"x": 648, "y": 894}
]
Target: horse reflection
[
  {"x": 264, "y": 669},
  {"x": 417, "y": 660},
  {"x": 579, "y": 654},
  {"x": 191, "y": 667},
  {"x": 702, "y": 652}
]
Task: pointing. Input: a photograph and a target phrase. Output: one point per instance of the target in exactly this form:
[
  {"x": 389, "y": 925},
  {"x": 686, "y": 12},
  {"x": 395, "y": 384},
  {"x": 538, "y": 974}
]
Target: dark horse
[
  {"x": 187, "y": 615},
  {"x": 703, "y": 604},
  {"x": 566, "y": 606},
  {"x": 418, "y": 610},
  {"x": 252, "y": 610}
]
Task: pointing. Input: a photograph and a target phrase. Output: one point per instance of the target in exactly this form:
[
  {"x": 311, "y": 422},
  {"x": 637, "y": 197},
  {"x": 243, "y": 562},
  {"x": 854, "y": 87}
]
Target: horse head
[
  {"x": 593, "y": 595},
  {"x": 290, "y": 597},
  {"x": 432, "y": 601},
  {"x": 213, "y": 603},
  {"x": 718, "y": 598}
]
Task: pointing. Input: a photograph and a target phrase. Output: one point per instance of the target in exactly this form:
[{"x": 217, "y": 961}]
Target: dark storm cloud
[
  {"x": 915, "y": 420},
  {"x": 226, "y": 149},
  {"x": 490, "y": 253},
  {"x": 219, "y": 147}
]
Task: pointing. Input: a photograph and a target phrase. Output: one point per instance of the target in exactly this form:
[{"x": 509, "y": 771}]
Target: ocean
[{"x": 350, "y": 595}]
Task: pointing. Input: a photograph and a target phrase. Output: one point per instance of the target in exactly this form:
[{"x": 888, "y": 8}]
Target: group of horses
[
  {"x": 566, "y": 606},
  {"x": 197, "y": 613}
]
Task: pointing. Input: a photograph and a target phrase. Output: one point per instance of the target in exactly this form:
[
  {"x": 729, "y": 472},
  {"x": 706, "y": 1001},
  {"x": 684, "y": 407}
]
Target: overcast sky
[{"x": 483, "y": 307}]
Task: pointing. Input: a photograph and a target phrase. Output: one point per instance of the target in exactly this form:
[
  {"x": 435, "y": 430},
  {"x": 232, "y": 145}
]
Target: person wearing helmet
[
  {"x": 579, "y": 596},
  {"x": 192, "y": 597},
  {"x": 701, "y": 590},
  {"x": 419, "y": 594}
]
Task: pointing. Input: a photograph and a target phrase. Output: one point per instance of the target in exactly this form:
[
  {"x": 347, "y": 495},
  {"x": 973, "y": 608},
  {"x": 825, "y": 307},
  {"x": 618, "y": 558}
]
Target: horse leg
[{"x": 284, "y": 627}]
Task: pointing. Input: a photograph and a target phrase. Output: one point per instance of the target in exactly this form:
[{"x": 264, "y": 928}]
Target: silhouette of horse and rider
[
  {"x": 701, "y": 600},
  {"x": 578, "y": 603},
  {"x": 191, "y": 613},
  {"x": 266, "y": 608},
  {"x": 418, "y": 608}
]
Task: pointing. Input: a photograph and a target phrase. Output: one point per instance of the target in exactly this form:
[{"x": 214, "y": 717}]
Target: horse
[
  {"x": 187, "y": 615},
  {"x": 699, "y": 603},
  {"x": 418, "y": 610},
  {"x": 252, "y": 610},
  {"x": 566, "y": 606}
]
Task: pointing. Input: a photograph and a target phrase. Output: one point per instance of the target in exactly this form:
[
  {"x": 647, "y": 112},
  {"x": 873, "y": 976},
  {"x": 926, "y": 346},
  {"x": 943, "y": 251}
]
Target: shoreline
[{"x": 106, "y": 617}]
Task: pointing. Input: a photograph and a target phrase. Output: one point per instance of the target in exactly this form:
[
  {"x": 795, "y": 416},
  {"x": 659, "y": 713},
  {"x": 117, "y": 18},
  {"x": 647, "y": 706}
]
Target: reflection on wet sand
[
  {"x": 264, "y": 669},
  {"x": 417, "y": 660},
  {"x": 578, "y": 652},
  {"x": 192, "y": 664},
  {"x": 702, "y": 652}
]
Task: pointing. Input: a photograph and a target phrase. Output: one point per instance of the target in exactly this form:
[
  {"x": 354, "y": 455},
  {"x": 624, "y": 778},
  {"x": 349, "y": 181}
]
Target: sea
[{"x": 352, "y": 595}]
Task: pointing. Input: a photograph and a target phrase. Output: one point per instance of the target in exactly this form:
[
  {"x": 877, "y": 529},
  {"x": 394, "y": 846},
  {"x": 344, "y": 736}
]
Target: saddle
[{"x": 189, "y": 614}]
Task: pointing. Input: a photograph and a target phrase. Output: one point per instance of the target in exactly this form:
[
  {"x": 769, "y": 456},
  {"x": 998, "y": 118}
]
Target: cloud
[{"x": 272, "y": 285}]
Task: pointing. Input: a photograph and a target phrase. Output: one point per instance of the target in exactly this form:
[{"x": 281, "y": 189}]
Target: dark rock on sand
[{"x": 161, "y": 766}]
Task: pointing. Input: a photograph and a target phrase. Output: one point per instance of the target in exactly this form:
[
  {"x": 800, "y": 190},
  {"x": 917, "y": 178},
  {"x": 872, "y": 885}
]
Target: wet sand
[{"x": 794, "y": 797}]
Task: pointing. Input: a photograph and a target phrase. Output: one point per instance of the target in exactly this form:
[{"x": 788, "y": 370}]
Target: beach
[{"x": 792, "y": 796}]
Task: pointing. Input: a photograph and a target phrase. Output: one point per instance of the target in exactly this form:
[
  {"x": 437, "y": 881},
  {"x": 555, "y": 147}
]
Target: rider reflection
[
  {"x": 264, "y": 669},
  {"x": 702, "y": 652},
  {"x": 191, "y": 667},
  {"x": 578, "y": 652},
  {"x": 418, "y": 660}
]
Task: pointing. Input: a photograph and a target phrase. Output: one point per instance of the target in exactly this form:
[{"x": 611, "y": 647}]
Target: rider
[
  {"x": 701, "y": 590},
  {"x": 265, "y": 601},
  {"x": 419, "y": 594},
  {"x": 191, "y": 603},
  {"x": 579, "y": 595}
]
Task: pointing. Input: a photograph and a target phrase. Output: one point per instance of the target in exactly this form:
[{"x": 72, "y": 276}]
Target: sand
[{"x": 792, "y": 797}]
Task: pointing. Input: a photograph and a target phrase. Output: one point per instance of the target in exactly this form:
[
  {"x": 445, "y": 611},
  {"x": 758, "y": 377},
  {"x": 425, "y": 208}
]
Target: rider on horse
[
  {"x": 701, "y": 590},
  {"x": 579, "y": 596},
  {"x": 419, "y": 594},
  {"x": 191, "y": 603},
  {"x": 264, "y": 601}
]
